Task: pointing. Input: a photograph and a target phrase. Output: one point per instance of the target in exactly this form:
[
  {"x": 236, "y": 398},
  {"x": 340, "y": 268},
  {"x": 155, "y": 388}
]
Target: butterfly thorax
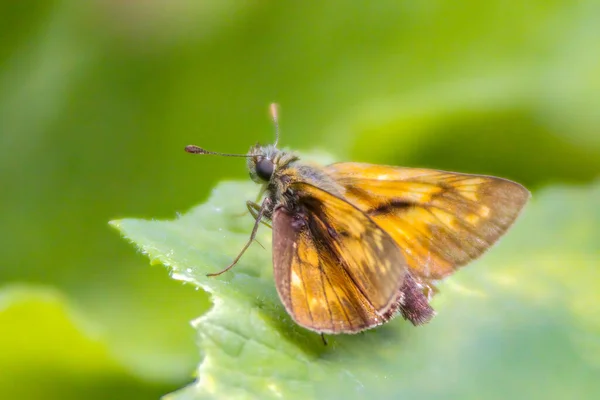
[{"x": 278, "y": 170}]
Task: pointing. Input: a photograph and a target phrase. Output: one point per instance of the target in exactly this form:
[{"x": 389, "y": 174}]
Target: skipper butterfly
[{"x": 356, "y": 244}]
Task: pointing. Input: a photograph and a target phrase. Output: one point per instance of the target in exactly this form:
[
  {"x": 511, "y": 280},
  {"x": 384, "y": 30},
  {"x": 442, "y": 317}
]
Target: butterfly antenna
[
  {"x": 199, "y": 150},
  {"x": 275, "y": 117}
]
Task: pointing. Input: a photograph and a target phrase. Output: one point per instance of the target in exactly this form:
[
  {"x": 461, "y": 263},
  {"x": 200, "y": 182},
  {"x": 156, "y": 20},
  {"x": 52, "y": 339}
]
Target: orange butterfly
[{"x": 356, "y": 244}]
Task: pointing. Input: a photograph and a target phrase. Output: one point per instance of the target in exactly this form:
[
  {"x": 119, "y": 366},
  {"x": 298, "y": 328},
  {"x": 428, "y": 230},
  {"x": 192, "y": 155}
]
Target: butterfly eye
[{"x": 264, "y": 169}]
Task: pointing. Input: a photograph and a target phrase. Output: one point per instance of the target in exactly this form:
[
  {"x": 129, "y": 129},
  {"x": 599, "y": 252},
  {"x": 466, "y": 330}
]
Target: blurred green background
[{"x": 98, "y": 99}]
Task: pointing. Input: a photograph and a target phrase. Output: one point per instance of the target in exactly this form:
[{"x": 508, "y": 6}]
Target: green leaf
[
  {"x": 523, "y": 321},
  {"x": 50, "y": 350}
]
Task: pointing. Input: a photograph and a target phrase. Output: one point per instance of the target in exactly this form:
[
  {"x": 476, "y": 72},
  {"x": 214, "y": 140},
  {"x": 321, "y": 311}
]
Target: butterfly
[{"x": 356, "y": 244}]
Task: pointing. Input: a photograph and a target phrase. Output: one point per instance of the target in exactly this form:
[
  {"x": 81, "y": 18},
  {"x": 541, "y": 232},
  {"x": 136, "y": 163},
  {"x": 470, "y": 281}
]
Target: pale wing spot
[
  {"x": 378, "y": 242},
  {"x": 446, "y": 218},
  {"x": 484, "y": 211},
  {"x": 473, "y": 219},
  {"x": 316, "y": 302},
  {"x": 296, "y": 282},
  {"x": 469, "y": 188},
  {"x": 419, "y": 197},
  {"x": 475, "y": 181},
  {"x": 416, "y": 193},
  {"x": 469, "y": 195}
]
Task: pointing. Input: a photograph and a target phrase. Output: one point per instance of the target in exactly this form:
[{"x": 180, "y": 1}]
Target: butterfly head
[
  {"x": 264, "y": 162},
  {"x": 261, "y": 162}
]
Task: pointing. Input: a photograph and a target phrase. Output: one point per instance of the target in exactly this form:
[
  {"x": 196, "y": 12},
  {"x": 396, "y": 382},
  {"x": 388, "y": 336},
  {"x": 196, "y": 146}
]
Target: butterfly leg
[
  {"x": 324, "y": 340},
  {"x": 253, "y": 208},
  {"x": 266, "y": 203}
]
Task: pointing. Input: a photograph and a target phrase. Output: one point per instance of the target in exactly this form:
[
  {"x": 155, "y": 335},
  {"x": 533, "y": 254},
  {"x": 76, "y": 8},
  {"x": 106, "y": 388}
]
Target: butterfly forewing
[
  {"x": 336, "y": 270},
  {"x": 441, "y": 220}
]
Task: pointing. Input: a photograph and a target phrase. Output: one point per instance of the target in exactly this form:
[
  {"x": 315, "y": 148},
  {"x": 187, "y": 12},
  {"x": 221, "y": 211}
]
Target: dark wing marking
[{"x": 441, "y": 220}]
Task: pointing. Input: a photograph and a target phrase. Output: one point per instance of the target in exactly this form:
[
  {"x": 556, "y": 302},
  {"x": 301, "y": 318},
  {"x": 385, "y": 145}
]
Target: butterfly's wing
[
  {"x": 441, "y": 220},
  {"x": 337, "y": 271}
]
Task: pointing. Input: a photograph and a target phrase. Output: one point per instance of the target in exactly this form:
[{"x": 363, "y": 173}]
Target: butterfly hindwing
[
  {"x": 441, "y": 220},
  {"x": 336, "y": 270}
]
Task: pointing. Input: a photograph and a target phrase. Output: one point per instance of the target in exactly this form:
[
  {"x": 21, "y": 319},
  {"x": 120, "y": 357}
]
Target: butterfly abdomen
[{"x": 412, "y": 304}]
